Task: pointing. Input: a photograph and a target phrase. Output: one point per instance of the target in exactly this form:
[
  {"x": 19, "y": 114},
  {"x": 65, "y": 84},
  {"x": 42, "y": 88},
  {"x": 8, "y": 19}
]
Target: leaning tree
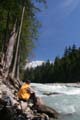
[{"x": 19, "y": 29}]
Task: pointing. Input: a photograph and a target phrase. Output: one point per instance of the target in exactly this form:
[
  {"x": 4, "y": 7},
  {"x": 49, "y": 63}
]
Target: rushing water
[{"x": 63, "y": 98}]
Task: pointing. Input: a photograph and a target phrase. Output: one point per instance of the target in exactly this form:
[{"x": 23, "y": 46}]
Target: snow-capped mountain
[{"x": 34, "y": 64}]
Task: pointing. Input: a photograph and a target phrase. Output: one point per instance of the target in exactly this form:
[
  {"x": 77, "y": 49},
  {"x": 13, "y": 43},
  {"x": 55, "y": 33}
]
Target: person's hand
[{"x": 28, "y": 90}]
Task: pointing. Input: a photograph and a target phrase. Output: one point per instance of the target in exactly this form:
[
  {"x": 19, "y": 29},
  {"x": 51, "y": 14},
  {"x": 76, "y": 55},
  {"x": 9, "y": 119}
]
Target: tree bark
[
  {"x": 5, "y": 38},
  {"x": 6, "y": 35},
  {"x": 9, "y": 52},
  {"x": 17, "y": 48}
]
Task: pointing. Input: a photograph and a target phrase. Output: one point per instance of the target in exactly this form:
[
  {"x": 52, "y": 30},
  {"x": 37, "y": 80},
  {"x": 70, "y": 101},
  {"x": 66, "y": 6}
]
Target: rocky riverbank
[{"x": 11, "y": 108}]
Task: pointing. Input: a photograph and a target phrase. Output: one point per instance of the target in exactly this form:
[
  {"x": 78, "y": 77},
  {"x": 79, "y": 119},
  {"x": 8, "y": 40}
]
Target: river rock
[{"x": 13, "y": 109}]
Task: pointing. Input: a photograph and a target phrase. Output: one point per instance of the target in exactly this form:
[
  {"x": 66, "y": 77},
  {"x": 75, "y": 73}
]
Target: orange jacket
[{"x": 23, "y": 92}]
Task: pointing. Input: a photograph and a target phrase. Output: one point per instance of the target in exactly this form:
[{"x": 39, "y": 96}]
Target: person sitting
[{"x": 25, "y": 93}]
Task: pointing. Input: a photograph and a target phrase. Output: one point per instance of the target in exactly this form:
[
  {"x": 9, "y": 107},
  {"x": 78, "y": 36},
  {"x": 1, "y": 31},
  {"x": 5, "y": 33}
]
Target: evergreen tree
[{"x": 63, "y": 70}]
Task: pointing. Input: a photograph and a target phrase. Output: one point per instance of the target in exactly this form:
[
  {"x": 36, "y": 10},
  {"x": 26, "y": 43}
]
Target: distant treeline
[{"x": 64, "y": 70}]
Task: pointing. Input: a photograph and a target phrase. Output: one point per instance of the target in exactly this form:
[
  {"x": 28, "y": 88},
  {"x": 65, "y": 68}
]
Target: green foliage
[
  {"x": 10, "y": 11},
  {"x": 64, "y": 70}
]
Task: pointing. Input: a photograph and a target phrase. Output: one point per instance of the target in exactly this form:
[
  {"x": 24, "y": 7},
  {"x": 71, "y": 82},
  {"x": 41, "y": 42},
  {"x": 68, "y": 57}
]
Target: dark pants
[{"x": 33, "y": 98}]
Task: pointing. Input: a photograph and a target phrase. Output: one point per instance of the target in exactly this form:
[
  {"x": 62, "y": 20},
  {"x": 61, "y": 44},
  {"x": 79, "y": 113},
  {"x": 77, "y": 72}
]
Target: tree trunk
[
  {"x": 5, "y": 38},
  {"x": 6, "y": 34},
  {"x": 17, "y": 69},
  {"x": 17, "y": 48},
  {"x": 9, "y": 52}
]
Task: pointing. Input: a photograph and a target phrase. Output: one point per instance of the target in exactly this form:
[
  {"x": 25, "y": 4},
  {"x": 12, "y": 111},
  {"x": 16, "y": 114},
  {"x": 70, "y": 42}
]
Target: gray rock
[{"x": 12, "y": 109}]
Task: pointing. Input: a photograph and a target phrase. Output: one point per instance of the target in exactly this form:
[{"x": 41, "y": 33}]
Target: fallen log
[{"x": 47, "y": 110}]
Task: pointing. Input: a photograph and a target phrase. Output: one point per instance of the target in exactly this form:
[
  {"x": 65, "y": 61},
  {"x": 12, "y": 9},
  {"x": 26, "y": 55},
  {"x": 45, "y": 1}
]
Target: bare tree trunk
[
  {"x": 9, "y": 52},
  {"x": 6, "y": 36},
  {"x": 17, "y": 48},
  {"x": 17, "y": 69},
  {"x": 17, "y": 74},
  {"x": 5, "y": 39}
]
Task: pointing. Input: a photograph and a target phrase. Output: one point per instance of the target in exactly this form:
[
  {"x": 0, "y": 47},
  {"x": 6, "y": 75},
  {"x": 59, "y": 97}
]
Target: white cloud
[
  {"x": 68, "y": 2},
  {"x": 62, "y": 9},
  {"x": 68, "y": 6},
  {"x": 34, "y": 64}
]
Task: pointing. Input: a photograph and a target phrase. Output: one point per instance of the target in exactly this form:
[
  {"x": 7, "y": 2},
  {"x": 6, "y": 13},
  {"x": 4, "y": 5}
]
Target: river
[{"x": 64, "y": 98}]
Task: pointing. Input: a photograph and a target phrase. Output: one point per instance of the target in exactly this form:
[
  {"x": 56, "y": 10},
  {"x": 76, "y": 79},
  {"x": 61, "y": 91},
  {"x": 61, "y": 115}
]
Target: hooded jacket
[{"x": 24, "y": 92}]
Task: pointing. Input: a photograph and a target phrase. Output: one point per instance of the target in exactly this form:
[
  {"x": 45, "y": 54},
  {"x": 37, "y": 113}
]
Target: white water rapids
[{"x": 65, "y": 98}]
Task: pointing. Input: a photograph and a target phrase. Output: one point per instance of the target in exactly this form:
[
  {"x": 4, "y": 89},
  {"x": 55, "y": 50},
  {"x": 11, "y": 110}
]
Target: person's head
[{"x": 28, "y": 81}]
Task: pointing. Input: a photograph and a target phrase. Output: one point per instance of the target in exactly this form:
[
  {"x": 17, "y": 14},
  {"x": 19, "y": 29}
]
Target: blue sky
[{"x": 60, "y": 28}]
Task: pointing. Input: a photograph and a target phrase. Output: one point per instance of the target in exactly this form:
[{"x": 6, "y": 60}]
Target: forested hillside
[
  {"x": 64, "y": 70},
  {"x": 18, "y": 31}
]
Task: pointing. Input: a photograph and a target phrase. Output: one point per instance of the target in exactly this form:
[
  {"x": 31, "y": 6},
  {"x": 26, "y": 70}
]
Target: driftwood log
[{"x": 47, "y": 110}]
